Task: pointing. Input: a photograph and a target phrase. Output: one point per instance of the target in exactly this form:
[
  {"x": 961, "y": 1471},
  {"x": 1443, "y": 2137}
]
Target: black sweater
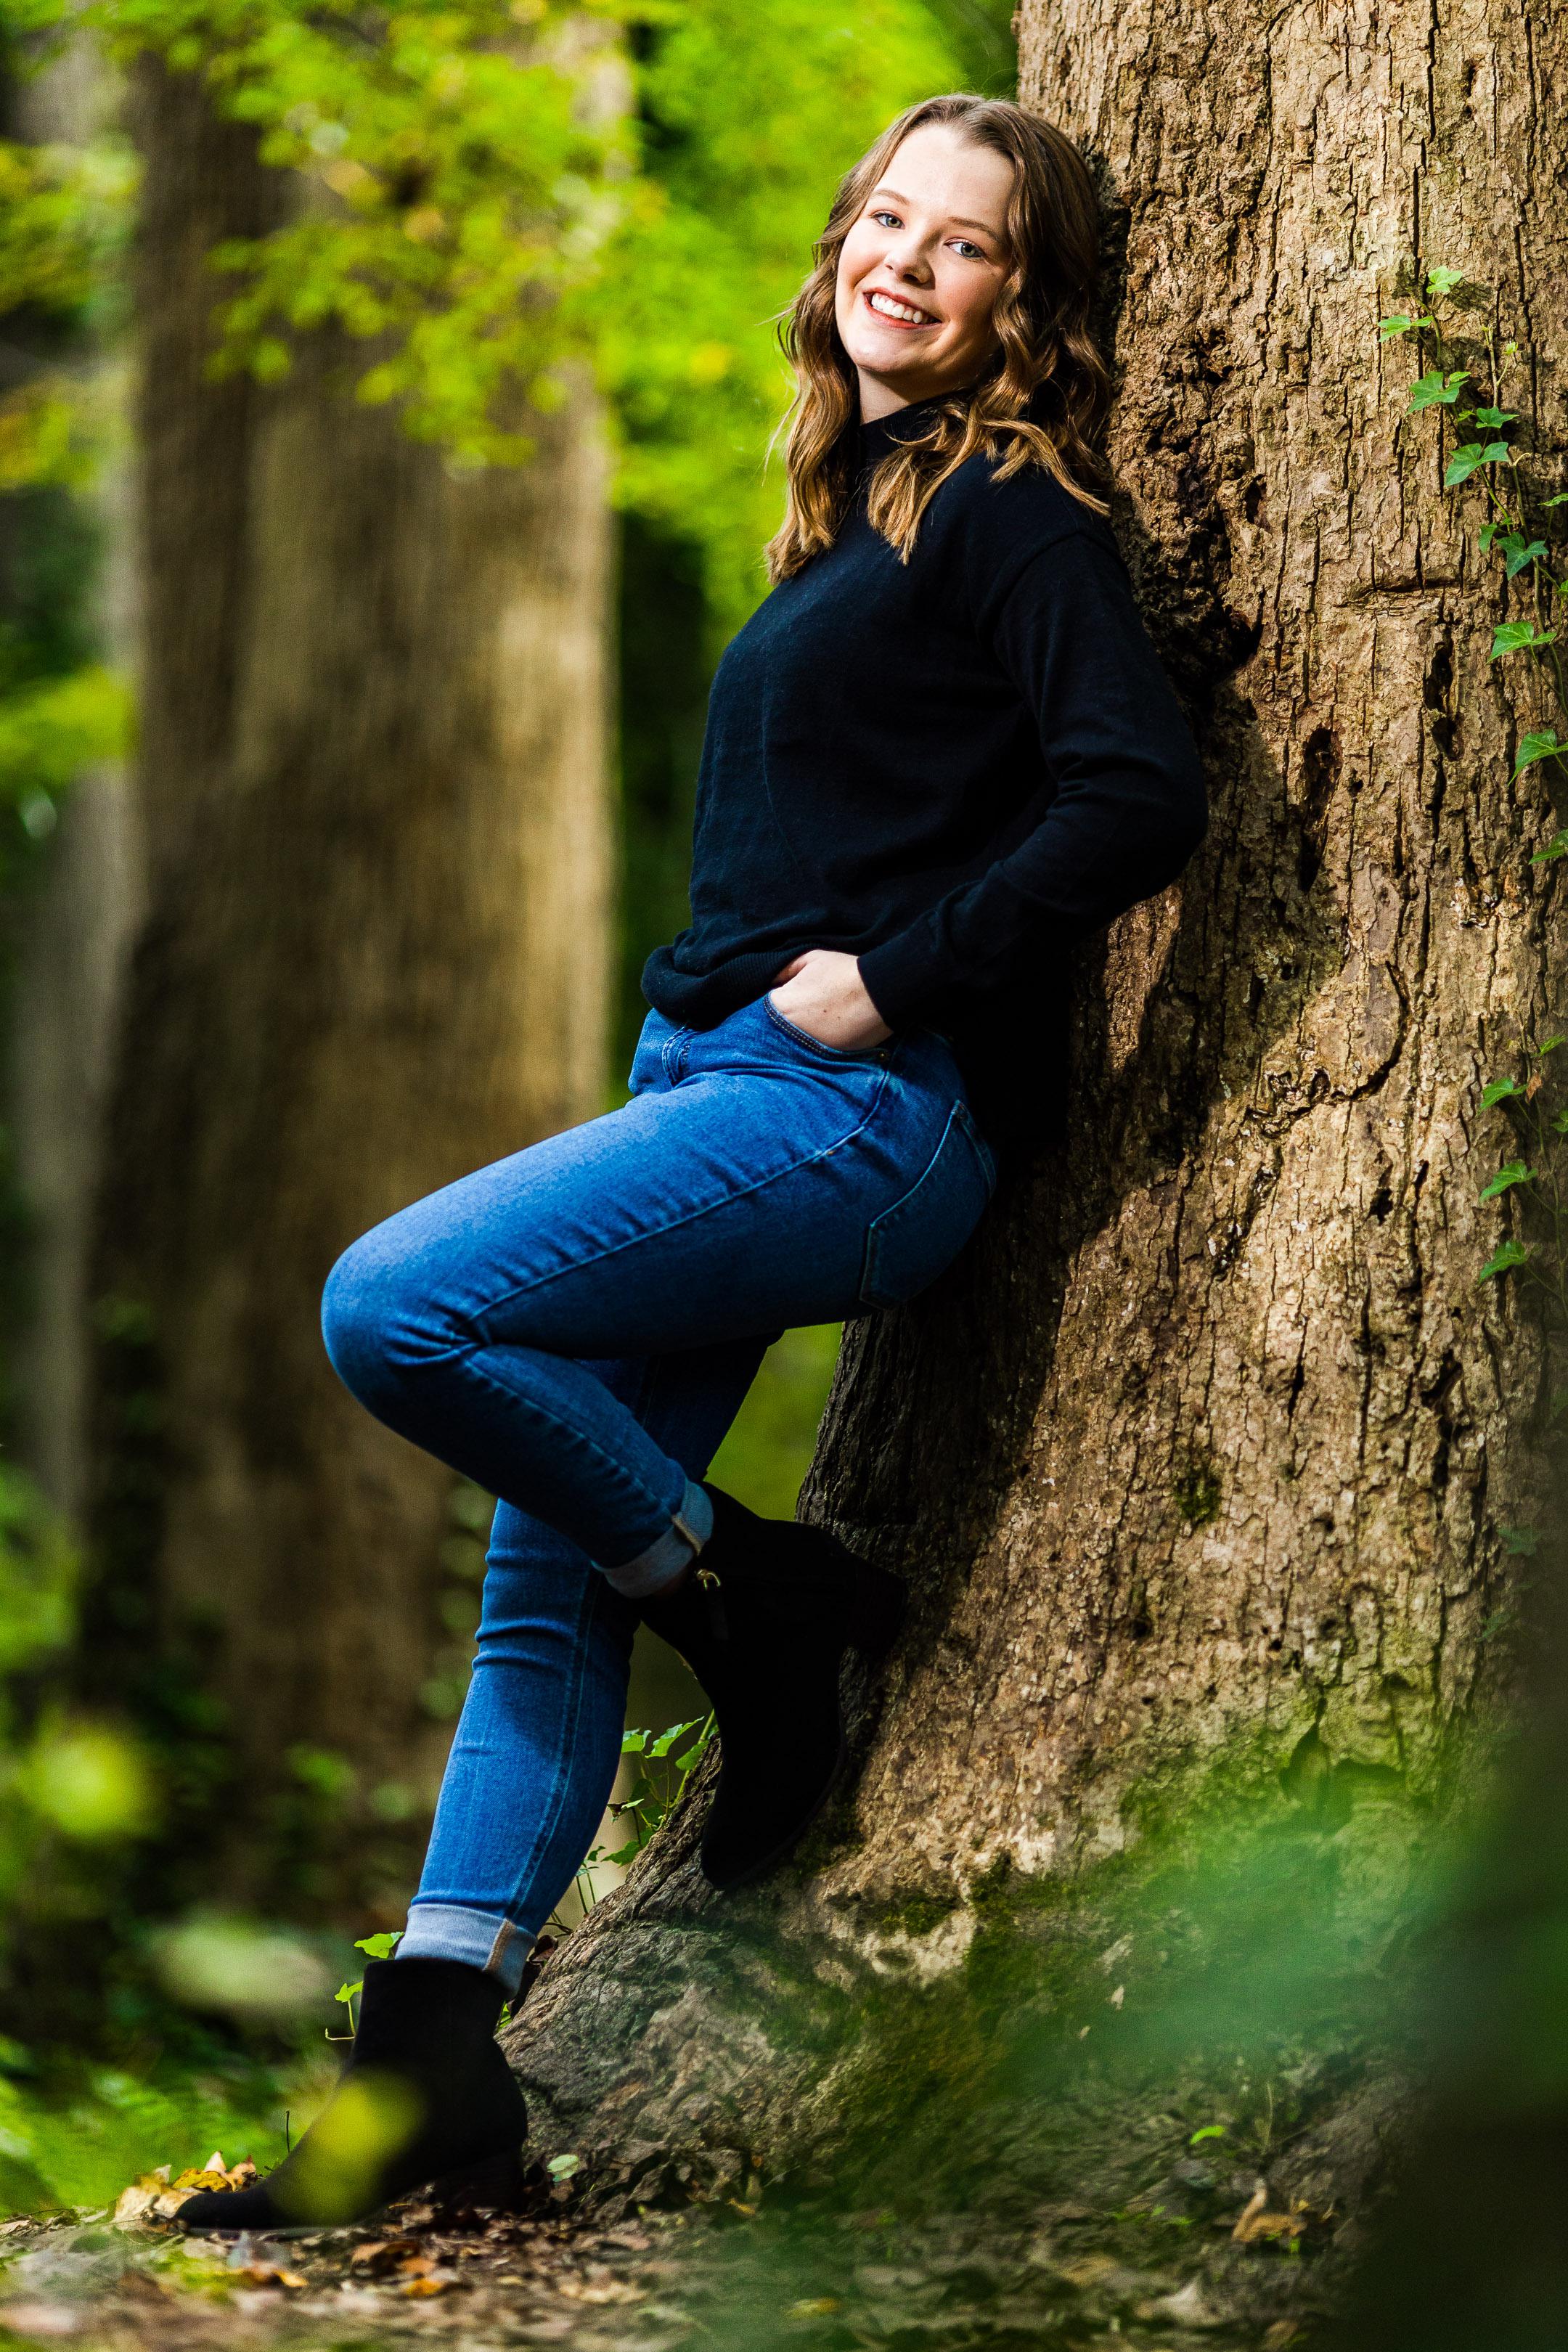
[{"x": 951, "y": 769}]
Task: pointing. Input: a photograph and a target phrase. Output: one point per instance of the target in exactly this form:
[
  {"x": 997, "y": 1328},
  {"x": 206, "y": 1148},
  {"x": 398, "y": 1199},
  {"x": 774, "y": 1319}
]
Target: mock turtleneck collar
[{"x": 880, "y": 432}]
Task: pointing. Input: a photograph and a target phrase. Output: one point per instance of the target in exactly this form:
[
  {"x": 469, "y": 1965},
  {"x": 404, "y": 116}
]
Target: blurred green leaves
[
  {"x": 749, "y": 115},
  {"x": 70, "y": 1785},
  {"x": 458, "y": 167},
  {"x": 89, "y": 1781},
  {"x": 38, "y": 1578},
  {"x": 239, "y": 1967}
]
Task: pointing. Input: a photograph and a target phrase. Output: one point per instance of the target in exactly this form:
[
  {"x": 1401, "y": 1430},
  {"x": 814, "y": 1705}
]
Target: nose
[{"x": 907, "y": 258}]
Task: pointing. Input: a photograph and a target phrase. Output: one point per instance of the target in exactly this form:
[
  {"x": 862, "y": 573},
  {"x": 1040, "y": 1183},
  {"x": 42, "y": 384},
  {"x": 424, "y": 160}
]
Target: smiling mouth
[{"x": 899, "y": 314}]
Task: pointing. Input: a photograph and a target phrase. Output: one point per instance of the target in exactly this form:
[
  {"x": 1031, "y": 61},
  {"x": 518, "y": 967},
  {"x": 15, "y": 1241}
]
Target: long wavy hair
[{"x": 1041, "y": 398}]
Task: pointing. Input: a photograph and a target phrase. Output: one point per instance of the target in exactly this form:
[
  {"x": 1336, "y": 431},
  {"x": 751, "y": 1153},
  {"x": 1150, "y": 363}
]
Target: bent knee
[{"x": 381, "y": 1325}]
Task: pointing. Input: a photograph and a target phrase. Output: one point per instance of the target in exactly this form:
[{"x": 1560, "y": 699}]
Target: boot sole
[
  {"x": 493, "y": 2180},
  {"x": 875, "y": 1625}
]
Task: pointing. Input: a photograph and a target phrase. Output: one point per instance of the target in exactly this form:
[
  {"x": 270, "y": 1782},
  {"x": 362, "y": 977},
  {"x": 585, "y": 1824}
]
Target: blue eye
[{"x": 970, "y": 252}]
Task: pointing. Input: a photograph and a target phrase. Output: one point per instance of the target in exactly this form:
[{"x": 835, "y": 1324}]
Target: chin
[{"x": 878, "y": 360}]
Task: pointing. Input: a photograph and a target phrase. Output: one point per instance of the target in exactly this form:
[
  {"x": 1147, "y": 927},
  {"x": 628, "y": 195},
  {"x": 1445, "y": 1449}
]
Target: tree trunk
[
  {"x": 377, "y": 956},
  {"x": 1198, "y": 1458},
  {"x": 76, "y": 920}
]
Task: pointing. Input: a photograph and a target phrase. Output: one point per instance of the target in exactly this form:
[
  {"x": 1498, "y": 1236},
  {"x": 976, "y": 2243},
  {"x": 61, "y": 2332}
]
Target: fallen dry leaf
[
  {"x": 153, "y": 2196},
  {"x": 383, "y": 2253},
  {"x": 432, "y": 2283},
  {"x": 1088, "y": 2269},
  {"x": 266, "y": 2274},
  {"x": 1186, "y": 2308},
  {"x": 1255, "y": 2223},
  {"x": 603, "y": 2291},
  {"x": 133, "y": 2206}
]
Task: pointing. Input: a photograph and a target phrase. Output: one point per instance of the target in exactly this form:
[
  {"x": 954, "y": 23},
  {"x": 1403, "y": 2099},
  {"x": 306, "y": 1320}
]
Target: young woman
[{"x": 942, "y": 750}]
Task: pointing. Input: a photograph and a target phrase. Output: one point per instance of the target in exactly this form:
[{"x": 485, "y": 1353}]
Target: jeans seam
[
  {"x": 481, "y": 1338},
  {"x": 528, "y": 1867}
]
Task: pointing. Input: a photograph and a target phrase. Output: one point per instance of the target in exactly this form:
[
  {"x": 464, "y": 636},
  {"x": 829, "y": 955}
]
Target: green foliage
[
  {"x": 1532, "y": 575},
  {"x": 483, "y": 186},
  {"x": 1544, "y": 742},
  {"x": 38, "y": 1578},
  {"x": 655, "y": 1796},
  {"x": 459, "y": 169},
  {"x": 72, "y": 1788},
  {"x": 70, "y": 1785},
  {"x": 81, "y": 2150},
  {"x": 1438, "y": 389},
  {"x": 696, "y": 280},
  {"x": 379, "y": 1947},
  {"x": 469, "y": 194},
  {"x": 1504, "y": 1259},
  {"x": 1515, "y": 1172},
  {"x": 63, "y": 221},
  {"x": 65, "y": 214},
  {"x": 768, "y": 1451},
  {"x": 50, "y": 732},
  {"x": 1469, "y": 458},
  {"x": 658, "y": 1786},
  {"x": 1097, "y": 2085}
]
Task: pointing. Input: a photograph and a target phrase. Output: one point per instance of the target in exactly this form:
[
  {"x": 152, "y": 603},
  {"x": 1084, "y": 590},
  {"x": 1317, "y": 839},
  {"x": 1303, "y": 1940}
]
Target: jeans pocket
[
  {"x": 818, "y": 1045},
  {"x": 918, "y": 1238}
]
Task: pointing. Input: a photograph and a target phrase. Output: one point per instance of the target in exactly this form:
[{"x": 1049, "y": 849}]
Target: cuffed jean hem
[
  {"x": 667, "y": 1560},
  {"x": 445, "y": 1931}
]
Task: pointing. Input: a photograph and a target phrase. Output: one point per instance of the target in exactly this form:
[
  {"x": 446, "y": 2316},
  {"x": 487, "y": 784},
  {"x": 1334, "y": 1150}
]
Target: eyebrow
[{"x": 958, "y": 220}]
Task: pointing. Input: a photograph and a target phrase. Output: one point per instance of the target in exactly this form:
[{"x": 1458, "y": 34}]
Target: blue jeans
[{"x": 574, "y": 1328}]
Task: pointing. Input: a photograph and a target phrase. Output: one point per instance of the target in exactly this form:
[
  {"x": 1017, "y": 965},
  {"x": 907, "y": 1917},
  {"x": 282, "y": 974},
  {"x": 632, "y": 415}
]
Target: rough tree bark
[
  {"x": 1206, "y": 1444},
  {"x": 374, "y": 763}
]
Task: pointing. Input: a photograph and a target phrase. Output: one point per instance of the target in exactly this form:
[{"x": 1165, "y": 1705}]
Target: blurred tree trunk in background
[
  {"x": 77, "y": 922},
  {"x": 1202, "y": 1455},
  {"x": 377, "y": 956}
]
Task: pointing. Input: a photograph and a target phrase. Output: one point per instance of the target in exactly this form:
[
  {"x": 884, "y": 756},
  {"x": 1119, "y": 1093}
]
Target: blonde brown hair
[{"x": 1046, "y": 360}]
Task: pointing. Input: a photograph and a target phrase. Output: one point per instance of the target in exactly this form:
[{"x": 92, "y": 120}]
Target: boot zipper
[{"x": 708, "y": 1577}]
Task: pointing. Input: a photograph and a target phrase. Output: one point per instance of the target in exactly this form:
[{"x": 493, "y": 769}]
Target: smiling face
[{"x": 921, "y": 268}]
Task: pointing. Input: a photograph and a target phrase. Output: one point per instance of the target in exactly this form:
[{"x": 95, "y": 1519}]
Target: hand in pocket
[{"x": 822, "y": 992}]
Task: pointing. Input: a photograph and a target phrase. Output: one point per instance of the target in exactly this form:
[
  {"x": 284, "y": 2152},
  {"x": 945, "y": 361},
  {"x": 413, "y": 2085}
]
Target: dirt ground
[{"x": 650, "y": 2282}]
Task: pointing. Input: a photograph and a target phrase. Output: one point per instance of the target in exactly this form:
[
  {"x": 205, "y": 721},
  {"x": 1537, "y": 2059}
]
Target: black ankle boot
[
  {"x": 764, "y": 1621},
  {"x": 425, "y": 2098}
]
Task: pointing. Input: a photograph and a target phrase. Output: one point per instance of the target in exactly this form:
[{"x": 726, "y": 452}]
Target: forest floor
[{"x": 654, "y": 2281}]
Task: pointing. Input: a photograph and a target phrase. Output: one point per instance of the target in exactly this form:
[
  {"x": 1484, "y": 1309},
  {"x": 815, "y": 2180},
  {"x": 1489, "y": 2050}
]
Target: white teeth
[{"x": 884, "y": 303}]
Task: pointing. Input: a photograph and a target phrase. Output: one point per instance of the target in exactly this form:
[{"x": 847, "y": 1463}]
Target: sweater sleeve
[{"x": 1128, "y": 808}]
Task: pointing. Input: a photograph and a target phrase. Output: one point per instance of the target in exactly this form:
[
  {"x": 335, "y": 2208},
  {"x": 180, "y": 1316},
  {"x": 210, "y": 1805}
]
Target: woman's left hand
[{"x": 822, "y": 992}]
